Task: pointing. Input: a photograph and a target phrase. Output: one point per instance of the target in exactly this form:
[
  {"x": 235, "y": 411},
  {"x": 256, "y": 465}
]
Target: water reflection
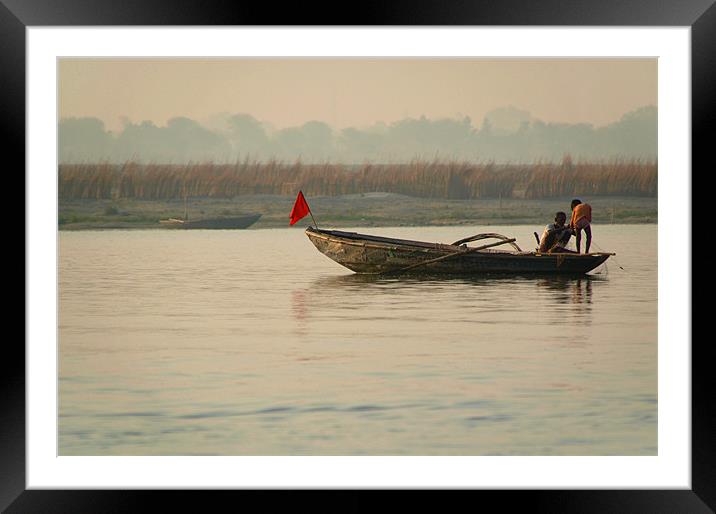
[
  {"x": 351, "y": 291},
  {"x": 299, "y": 308},
  {"x": 574, "y": 290},
  {"x": 578, "y": 287},
  {"x": 500, "y": 279}
]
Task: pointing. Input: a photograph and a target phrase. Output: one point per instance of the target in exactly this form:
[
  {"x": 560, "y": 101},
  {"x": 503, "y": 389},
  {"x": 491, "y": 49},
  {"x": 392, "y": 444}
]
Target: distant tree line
[
  {"x": 506, "y": 135},
  {"x": 420, "y": 178}
]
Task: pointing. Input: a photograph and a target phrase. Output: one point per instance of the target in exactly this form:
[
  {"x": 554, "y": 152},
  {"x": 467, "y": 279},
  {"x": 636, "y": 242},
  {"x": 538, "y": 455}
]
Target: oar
[{"x": 443, "y": 257}]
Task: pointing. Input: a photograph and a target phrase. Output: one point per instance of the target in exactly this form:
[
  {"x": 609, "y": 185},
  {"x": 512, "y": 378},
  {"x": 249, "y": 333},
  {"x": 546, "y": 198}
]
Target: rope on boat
[
  {"x": 602, "y": 266},
  {"x": 613, "y": 256}
]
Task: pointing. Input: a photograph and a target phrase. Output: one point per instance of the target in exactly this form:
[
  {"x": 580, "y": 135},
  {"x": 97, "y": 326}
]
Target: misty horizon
[{"x": 505, "y": 134}]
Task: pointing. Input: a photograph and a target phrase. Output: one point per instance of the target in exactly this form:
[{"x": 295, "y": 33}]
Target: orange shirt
[{"x": 583, "y": 210}]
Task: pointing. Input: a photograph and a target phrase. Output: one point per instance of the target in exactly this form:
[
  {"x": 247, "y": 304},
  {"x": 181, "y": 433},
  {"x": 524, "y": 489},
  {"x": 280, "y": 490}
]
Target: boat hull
[{"x": 369, "y": 254}]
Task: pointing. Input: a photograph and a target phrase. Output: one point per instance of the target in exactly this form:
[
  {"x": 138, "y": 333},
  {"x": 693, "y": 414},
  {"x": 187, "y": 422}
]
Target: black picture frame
[{"x": 16, "y": 15}]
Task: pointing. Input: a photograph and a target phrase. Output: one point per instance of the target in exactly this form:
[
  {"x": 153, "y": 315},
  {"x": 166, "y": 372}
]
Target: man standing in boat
[
  {"x": 581, "y": 220},
  {"x": 556, "y": 236}
]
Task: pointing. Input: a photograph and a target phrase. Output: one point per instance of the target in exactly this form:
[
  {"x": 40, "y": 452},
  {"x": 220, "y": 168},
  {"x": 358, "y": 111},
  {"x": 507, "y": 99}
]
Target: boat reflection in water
[
  {"x": 482, "y": 298},
  {"x": 574, "y": 290}
]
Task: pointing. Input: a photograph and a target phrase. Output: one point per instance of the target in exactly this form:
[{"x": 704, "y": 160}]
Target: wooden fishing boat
[
  {"x": 364, "y": 253},
  {"x": 236, "y": 222}
]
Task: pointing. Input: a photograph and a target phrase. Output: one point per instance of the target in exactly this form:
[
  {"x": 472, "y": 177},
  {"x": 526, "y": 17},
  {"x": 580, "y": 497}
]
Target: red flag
[{"x": 300, "y": 208}]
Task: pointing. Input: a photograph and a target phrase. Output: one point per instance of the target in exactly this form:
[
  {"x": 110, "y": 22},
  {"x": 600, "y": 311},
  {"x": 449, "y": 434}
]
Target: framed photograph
[{"x": 158, "y": 357}]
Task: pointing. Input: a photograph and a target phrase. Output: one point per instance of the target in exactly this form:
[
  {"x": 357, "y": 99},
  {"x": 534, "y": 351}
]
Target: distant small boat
[
  {"x": 223, "y": 223},
  {"x": 236, "y": 222},
  {"x": 365, "y": 253}
]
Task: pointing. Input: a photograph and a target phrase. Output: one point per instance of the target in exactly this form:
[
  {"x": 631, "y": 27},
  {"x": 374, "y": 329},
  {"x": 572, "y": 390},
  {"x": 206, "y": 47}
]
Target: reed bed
[{"x": 427, "y": 179}]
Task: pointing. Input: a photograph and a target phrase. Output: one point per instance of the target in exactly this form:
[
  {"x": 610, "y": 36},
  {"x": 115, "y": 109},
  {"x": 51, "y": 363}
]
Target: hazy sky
[{"x": 353, "y": 92}]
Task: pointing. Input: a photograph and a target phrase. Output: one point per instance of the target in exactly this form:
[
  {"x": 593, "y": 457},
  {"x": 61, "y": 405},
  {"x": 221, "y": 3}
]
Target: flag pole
[
  {"x": 314, "y": 219},
  {"x": 309, "y": 210}
]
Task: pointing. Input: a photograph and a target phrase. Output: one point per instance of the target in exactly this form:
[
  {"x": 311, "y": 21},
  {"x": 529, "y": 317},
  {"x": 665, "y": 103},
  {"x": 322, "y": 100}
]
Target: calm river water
[{"x": 253, "y": 343}]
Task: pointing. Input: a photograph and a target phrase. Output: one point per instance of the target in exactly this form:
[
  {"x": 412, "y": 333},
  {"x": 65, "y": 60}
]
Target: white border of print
[{"x": 670, "y": 469}]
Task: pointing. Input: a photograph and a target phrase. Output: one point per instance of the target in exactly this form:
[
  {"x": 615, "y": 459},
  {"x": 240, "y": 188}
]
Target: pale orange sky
[{"x": 353, "y": 92}]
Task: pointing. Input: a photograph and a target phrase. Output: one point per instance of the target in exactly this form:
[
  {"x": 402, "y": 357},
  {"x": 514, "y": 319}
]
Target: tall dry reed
[{"x": 429, "y": 179}]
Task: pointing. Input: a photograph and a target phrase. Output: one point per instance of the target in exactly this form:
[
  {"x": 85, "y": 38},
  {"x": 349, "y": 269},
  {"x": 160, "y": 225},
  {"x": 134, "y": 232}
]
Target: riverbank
[{"x": 360, "y": 210}]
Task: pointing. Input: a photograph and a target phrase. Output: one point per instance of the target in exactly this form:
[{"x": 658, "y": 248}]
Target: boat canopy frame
[{"x": 488, "y": 235}]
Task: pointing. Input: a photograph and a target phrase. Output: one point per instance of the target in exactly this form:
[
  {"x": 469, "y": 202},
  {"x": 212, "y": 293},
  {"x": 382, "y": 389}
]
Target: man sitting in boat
[{"x": 556, "y": 236}]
